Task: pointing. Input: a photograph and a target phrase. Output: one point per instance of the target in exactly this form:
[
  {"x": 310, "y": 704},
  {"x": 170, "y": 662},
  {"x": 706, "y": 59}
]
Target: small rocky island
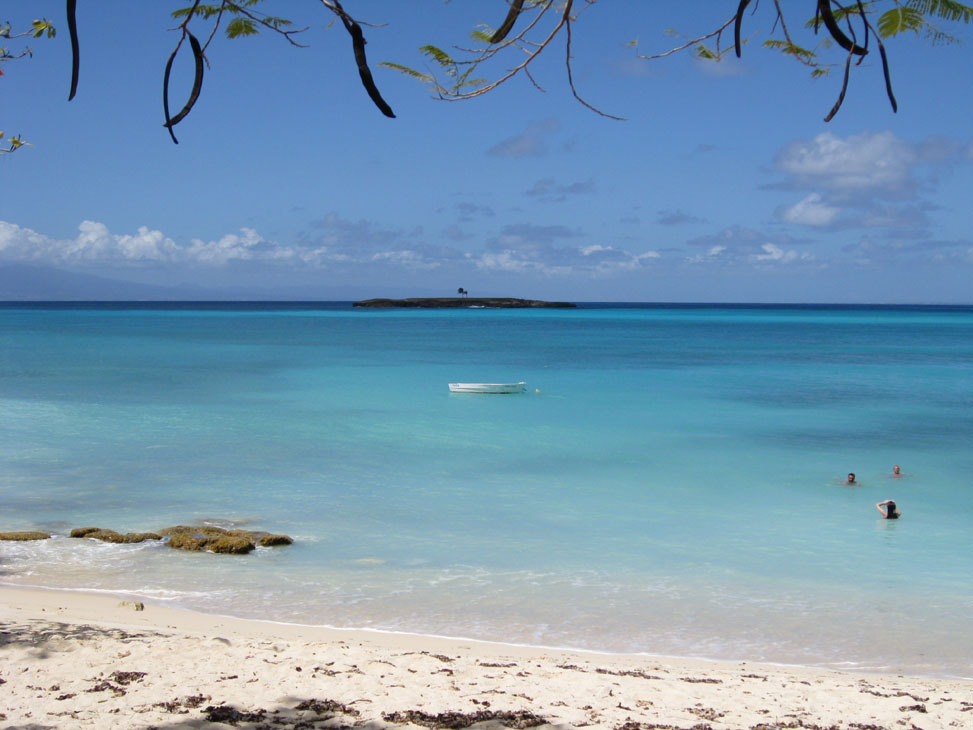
[{"x": 463, "y": 303}]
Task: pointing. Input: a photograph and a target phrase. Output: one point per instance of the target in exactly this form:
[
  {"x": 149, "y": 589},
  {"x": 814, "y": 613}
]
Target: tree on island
[
  {"x": 827, "y": 35},
  {"x": 462, "y": 292}
]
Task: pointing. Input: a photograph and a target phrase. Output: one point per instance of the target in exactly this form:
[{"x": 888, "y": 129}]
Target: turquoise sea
[{"x": 668, "y": 484}]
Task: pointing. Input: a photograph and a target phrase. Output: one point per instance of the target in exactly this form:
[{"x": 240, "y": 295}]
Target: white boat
[{"x": 487, "y": 387}]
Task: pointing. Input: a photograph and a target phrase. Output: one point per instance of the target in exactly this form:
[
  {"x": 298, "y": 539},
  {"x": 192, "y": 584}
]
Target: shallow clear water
[{"x": 672, "y": 488}]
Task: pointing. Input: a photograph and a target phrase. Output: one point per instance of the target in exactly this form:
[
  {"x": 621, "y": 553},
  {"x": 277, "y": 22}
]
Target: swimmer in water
[
  {"x": 851, "y": 481},
  {"x": 890, "y": 511}
]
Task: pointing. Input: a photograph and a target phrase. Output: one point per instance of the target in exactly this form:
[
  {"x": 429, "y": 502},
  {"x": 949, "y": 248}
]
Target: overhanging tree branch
[{"x": 540, "y": 22}]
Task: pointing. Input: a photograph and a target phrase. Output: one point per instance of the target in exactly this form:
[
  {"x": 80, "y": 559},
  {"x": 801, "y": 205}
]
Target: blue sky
[{"x": 724, "y": 184}]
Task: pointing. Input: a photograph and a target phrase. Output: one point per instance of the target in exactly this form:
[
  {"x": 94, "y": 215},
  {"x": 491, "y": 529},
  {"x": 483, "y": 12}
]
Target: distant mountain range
[
  {"x": 22, "y": 282},
  {"x": 27, "y": 283}
]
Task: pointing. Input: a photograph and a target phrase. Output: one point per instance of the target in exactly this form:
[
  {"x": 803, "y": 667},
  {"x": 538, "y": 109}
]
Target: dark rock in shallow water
[
  {"x": 106, "y": 536},
  {"x": 233, "y": 544},
  {"x": 197, "y": 530},
  {"x": 142, "y": 536},
  {"x": 219, "y": 540},
  {"x": 463, "y": 303},
  {"x": 274, "y": 540},
  {"x": 177, "y": 530},
  {"x": 184, "y": 541},
  {"x": 24, "y": 535},
  {"x": 98, "y": 533}
]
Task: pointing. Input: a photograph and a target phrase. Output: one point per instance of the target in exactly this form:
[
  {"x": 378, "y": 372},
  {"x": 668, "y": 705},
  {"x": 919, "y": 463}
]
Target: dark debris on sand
[
  {"x": 183, "y": 706},
  {"x": 327, "y": 707},
  {"x": 459, "y": 720},
  {"x": 231, "y": 715}
]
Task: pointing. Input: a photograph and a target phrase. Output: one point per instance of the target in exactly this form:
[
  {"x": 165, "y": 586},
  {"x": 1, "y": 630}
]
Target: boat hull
[{"x": 487, "y": 387}]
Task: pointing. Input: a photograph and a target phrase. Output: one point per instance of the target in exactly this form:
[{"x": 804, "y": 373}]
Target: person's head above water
[
  {"x": 895, "y": 469},
  {"x": 889, "y": 510},
  {"x": 851, "y": 477}
]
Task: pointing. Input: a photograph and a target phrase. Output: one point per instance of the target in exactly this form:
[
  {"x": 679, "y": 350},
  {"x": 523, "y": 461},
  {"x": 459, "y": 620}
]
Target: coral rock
[
  {"x": 185, "y": 541},
  {"x": 25, "y": 535},
  {"x": 97, "y": 533},
  {"x": 235, "y": 544},
  {"x": 273, "y": 540}
]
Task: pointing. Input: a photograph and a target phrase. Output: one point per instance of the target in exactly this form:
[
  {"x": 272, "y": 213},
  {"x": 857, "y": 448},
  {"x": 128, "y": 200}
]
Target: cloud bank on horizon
[{"x": 877, "y": 184}]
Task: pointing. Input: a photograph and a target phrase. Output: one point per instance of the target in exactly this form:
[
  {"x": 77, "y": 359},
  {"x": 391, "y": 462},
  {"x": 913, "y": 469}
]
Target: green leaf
[
  {"x": 277, "y": 23},
  {"x": 241, "y": 27},
  {"x": 939, "y": 38},
  {"x": 439, "y": 55},
  {"x": 899, "y": 20},
  {"x": 481, "y": 36},
  {"x": 425, "y": 78},
  {"x": 43, "y": 27},
  {"x": 790, "y": 49},
  {"x": 203, "y": 11},
  {"x": 704, "y": 52},
  {"x": 945, "y": 9},
  {"x": 471, "y": 82}
]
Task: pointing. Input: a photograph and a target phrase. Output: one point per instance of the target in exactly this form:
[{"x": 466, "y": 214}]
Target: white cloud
[
  {"x": 870, "y": 180},
  {"x": 774, "y": 253},
  {"x": 543, "y": 257},
  {"x": 811, "y": 211},
  {"x": 738, "y": 246},
  {"x": 532, "y": 143},
  {"x": 505, "y": 261},
  {"x": 548, "y": 190},
  {"x": 865, "y": 163},
  {"x": 22, "y": 244},
  {"x": 408, "y": 259},
  {"x": 94, "y": 244},
  {"x": 726, "y": 66},
  {"x": 228, "y": 248}
]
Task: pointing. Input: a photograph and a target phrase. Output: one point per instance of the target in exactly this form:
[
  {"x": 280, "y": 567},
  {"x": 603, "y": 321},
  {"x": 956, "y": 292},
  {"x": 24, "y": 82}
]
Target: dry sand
[{"x": 75, "y": 660}]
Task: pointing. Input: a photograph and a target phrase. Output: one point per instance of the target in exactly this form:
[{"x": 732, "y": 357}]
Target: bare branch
[
  {"x": 521, "y": 67},
  {"x": 567, "y": 63},
  {"x": 693, "y": 42}
]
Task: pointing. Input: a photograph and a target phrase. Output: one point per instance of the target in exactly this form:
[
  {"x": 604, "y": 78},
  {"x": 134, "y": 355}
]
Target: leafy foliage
[
  {"x": 844, "y": 30},
  {"x": 38, "y": 29},
  {"x": 791, "y": 49},
  {"x": 899, "y": 20}
]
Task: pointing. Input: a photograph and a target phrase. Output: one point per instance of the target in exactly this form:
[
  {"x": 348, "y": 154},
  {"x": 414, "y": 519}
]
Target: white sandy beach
[{"x": 76, "y": 660}]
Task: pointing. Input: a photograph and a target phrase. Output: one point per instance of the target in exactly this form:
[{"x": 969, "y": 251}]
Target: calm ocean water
[{"x": 669, "y": 484}]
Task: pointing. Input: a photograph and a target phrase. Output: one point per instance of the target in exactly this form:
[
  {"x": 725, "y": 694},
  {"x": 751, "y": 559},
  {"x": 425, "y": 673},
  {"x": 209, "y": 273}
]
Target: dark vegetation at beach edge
[{"x": 463, "y": 303}]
